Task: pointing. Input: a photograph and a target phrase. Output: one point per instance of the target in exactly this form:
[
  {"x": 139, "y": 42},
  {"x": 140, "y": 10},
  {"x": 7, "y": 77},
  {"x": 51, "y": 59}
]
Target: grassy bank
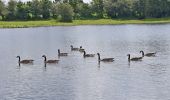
[{"x": 22, "y": 24}]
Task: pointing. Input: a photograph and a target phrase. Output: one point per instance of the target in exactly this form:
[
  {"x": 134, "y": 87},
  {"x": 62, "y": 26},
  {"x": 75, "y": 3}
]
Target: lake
[{"x": 78, "y": 78}]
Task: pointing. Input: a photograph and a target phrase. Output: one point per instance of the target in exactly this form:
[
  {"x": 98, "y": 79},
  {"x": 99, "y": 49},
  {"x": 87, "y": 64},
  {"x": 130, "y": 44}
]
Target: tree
[
  {"x": 154, "y": 8},
  {"x": 3, "y": 10},
  {"x": 65, "y": 11},
  {"x": 35, "y": 9},
  {"x": 12, "y": 7},
  {"x": 22, "y": 11},
  {"x": 83, "y": 11},
  {"x": 98, "y": 8},
  {"x": 46, "y": 8},
  {"x": 118, "y": 8},
  {"x": 139, "y": 8}
]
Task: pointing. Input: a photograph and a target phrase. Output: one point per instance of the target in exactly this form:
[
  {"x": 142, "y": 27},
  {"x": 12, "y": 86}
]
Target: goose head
[
  {"x": 128, "y": 54},
  {"x": 45, "y": 59},
  {"x": 142, "y": 53},
  {"x": 84, "y": 53},
  {"x": 58, "y": 51},
  {"x": 18, "y": 57},
  {"x": 43, "y": 56}
]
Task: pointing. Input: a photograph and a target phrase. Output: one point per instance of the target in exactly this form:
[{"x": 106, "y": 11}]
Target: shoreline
[{"x": 46, "y": 23}]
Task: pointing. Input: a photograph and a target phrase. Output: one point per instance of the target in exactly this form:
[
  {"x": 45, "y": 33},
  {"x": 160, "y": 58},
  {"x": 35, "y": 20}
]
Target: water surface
[{"x": 76, "y": 78}]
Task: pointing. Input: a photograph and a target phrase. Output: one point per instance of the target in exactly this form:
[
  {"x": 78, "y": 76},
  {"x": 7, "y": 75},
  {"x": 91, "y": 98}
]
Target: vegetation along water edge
[{"x": 24, "y": 24}]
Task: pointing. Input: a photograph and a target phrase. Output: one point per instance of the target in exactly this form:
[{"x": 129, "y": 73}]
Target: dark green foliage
[
  {"x": 12, "y": 8},
  {"x": 3, "y": 10},
  {"x": 46, "y": 8},
  {"x": 139, "y": 8},
  {"x": 83, "y": 11},
  {"x": 98, "y": 8},
  {"x": 22, "y": 12},
  {"x": 118, "y": 8},
  {"x": 65, "y": 10},
  {"x": 35, "y": 9}
]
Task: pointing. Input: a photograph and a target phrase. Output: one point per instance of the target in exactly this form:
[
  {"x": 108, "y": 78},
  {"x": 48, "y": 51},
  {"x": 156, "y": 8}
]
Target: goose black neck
[
  {"x": 128, "y": 57},
  {"x": 98, "y": 57},
  {"x": 58, "y": 52},
  {"x": 84, "y": 53},
  {"x": 19, "y": 59},
  {"x": 71, "y": 47},
  {"x": 45, "y": 59}
]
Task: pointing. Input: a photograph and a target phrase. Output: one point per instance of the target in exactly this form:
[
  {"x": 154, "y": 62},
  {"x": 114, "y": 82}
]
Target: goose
[
  {"x": 134, "y": 59},
  {"x": 147, "y": 54},
  {"x": 74, "y": 49},
  {"x": 62, "y": 54},
  {"x": 105, "y": 59},
  {"x": 26, "y": 61},
  {"x": 88, "y": 55},
  {"x": 81, "y": 49},
  {"x": 49, "y": 61}
]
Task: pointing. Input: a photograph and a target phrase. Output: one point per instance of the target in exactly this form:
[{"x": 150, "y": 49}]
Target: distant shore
[{"x": 25, "y": 24}]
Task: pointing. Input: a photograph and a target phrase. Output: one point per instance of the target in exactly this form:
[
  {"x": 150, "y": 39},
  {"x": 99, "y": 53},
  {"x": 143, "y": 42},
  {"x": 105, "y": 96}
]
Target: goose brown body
[
  {"x": 105, "y": 59},
  {"x": 25, "y": 61},
  {"x": 88, "y": 55},
  {"x": 74, "y": 49},
  {"x": 62, "y": 54},
  {"x": 134, "y": 58},
  {"x": 148, "y": 54},
  {"x": 49, "y": 61}
]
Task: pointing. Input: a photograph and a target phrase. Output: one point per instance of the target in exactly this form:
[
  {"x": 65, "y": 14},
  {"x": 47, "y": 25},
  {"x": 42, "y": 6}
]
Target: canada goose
[
  {"x": 88, "y": 55},
  {"x": 147, "y": 54},
  {"x": 26, "y": 61},
  {"x": 74, "y": 49},
  {"x": 81, "y": 49},
  {"x": 105, "y": 59},
  {"x": 49, "y": 61},
  {"x": 62, "y": 54},
  {"x": 134, "y": 59}
]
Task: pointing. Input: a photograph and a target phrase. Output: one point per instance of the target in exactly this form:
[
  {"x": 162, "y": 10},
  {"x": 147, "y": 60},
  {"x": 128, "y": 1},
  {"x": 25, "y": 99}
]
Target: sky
[{"x": 86, "y": 1}]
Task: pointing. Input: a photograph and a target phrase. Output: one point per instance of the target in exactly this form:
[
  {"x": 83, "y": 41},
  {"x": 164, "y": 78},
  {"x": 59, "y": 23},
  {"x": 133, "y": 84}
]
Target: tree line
[{"x": 67, "y": 10}]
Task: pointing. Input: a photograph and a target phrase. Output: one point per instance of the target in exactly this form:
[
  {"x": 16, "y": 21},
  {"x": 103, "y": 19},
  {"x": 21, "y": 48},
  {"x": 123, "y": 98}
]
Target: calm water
[{"x": 76, "y": 78}]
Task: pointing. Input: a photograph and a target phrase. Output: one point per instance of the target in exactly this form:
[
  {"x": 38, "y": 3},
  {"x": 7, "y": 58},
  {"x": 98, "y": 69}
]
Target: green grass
[{"x": 22, "y": 24}]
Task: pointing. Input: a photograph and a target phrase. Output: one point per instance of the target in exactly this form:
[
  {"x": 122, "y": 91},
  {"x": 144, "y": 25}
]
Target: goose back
[
  {"x": 148, "y": 54},
  {"x": 49, "y": 61},
  {"x": 62, "y": 54},
  {"x": 25, "y": 61},
  {"x": 134, "y": 58},
  {"x": 105, "y": 59},
  {"x": 74, "y": 49},
  {"x": 88, "y": 55}
]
